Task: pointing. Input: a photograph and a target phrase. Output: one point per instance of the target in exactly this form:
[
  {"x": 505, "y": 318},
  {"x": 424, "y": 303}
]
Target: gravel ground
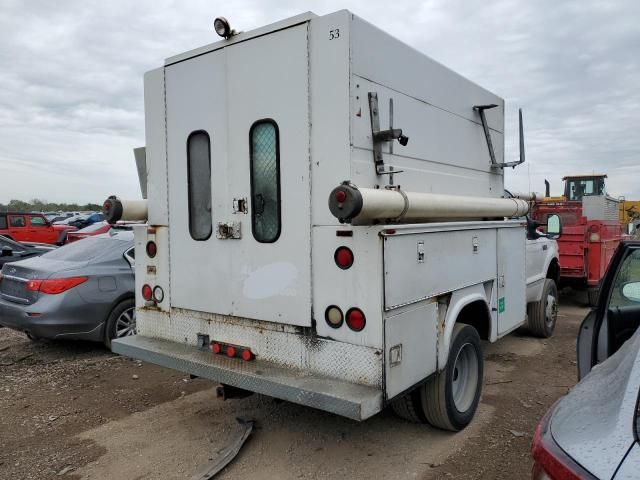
[{"x": 74, "y": 410}]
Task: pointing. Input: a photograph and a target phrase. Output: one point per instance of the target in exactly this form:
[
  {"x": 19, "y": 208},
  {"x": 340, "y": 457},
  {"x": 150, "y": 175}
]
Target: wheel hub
[
  {"x": 551, "y": 311},
  {"x": 465, "y": 377},
  {"x": 126, "y": 323}
]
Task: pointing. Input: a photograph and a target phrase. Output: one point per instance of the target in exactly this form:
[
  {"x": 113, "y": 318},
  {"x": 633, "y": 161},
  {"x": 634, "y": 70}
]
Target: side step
[{"x": 350, "y": 400}]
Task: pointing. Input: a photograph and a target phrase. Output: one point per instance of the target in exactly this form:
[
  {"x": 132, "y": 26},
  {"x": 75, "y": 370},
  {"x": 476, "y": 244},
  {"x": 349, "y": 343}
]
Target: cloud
[{"x": 71, "y": 97}]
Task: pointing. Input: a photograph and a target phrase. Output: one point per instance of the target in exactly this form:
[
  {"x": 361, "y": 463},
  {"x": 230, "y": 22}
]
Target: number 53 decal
[{"x": 333, "y": 34}]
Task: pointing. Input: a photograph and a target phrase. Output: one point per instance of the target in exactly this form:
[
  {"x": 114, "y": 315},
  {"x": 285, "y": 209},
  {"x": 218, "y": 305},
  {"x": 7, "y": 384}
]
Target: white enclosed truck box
[{"x": 248, "y": 273}]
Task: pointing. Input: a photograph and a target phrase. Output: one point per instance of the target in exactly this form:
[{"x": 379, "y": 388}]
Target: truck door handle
[{"x": 258, "y": 204}]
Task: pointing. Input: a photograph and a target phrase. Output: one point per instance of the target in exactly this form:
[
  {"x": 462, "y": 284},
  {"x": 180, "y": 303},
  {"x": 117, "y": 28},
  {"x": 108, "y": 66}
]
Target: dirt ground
[{"x": 74, "y": 410}]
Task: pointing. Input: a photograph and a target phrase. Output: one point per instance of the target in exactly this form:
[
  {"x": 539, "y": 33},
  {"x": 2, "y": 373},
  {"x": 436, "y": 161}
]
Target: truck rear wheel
[
  {"x": 542, "y": 315},
  {"x": 449, "y": 399}
]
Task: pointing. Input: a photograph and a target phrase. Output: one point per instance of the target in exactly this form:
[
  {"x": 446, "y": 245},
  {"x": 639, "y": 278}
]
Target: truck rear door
[{"x": 238, "y": 167}]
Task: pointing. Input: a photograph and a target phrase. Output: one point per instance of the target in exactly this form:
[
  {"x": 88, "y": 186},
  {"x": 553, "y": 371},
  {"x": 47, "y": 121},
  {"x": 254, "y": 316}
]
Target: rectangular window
[
  {"x": 3, "y": 222},
  {"x": 37, "y": 221},
  {"x": 199, "y": 184},
  {"x": 264, "y": 144},
  {"x": 17, "y": 221}
]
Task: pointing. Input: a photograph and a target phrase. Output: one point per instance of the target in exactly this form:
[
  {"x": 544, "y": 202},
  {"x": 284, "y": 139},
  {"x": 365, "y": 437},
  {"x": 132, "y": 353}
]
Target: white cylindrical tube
[
  {"x": 366, "y": 205},
  {"x": 528, "y": 196},
  {"x": 115, "y": 209}
]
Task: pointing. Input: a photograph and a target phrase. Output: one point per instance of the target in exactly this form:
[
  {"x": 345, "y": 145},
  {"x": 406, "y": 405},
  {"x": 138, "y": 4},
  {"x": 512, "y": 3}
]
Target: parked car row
[
  {"x": 83, "y": 290},
  {"x": 82, "y": 221},
  {"x": 32, "y": 227},
  {"x": 36, "y": 227}
]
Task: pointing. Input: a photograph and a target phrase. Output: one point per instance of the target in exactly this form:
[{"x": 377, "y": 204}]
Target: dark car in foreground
[
  {"x": 84, "y": 291},
  {"x": 12, "y": 251},
  {"x": 593, "y": 432}
]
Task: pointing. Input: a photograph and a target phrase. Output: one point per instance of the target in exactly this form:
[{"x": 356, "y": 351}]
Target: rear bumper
[
  {"x": 51, "y": 318},
  {"x": 343, "y": 398}
]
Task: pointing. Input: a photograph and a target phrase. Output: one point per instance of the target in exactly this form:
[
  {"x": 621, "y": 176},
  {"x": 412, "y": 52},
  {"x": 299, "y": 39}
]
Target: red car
[
  {"x": 32, "y": 227},
  {"x": 91, "y": 230}
]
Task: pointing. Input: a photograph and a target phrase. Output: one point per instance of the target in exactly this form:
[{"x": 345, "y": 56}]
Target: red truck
[
  {"x": 591, "y": 230},
  {"x": 32, "y": 227}
]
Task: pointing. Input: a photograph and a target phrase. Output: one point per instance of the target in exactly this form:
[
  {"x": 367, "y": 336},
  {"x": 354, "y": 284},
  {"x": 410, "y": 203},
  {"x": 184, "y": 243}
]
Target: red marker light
[
  {"x": 231, "y": 351},
  {"x": 152, "y": 249},
  {"x": 343, "y": 257},
  {"x": 216, "y": 348},
  {"x": 356, "y": 319},
  {"x": 147, "y": 293},
  {"x": 341, "y": 196},
  {"x": 247, "y": 355}
]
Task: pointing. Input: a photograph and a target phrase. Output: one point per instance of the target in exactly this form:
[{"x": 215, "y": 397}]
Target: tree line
[{"x": 37, "y": 205}]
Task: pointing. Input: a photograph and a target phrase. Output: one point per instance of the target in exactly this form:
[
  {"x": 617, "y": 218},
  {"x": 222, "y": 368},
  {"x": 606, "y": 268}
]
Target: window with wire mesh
[
  {"x": 265, "y": 181},
  {"x": 199, "y": 184}
]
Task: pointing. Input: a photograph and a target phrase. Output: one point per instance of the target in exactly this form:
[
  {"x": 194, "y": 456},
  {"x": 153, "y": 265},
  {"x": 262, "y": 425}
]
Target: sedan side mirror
[{"x": 6, "y": 252}]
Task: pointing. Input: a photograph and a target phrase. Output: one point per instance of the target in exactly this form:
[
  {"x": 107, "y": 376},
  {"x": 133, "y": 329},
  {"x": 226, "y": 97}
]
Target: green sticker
[{"x": 501, "y": 305}]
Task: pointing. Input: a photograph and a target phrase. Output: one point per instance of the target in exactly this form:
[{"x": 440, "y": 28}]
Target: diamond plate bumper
[{"x": 350, "y": 400}]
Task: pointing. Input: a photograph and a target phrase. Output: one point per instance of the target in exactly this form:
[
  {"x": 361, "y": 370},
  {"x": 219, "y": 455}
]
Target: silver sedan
[
  {"x": 594, "y": 431},
  {"x": 84, "y": 290}
]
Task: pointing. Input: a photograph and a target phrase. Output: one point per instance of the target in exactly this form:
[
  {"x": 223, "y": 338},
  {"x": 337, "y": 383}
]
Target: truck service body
[{"x": 246, "y": 141}]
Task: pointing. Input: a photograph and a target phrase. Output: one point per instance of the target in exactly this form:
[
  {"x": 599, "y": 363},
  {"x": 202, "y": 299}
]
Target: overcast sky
[{"x": 71, "y": 93}]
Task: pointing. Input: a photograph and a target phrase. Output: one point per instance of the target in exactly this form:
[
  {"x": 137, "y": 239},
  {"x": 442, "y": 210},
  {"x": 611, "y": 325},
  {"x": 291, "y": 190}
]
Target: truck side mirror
[
  {"x": 554, "y": 226},
  {"x": 6, "y": 252}
]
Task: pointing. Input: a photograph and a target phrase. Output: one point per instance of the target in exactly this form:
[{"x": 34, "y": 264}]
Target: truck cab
[
  {"x": 578, "y": 186},
  {"x": 32, "y": 227}
]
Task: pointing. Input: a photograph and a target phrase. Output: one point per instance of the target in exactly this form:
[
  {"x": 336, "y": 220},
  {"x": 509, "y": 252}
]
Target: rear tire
[
  {"x": 449, "y": 399},
  {"x": 121, "y": 321},
  {"x": 407, "y": 407},
  {"x": 542, "y": 315}
]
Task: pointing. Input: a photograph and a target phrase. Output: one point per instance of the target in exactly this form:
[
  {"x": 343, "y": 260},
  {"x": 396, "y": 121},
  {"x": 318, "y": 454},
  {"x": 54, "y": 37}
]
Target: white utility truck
[{"x": 295, "y": 249}]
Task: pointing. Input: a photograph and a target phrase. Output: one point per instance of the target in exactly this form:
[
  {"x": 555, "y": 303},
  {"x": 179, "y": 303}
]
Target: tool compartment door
[
  {"x": 511, "y": 278},
  {"x": 251, "y": 99}
]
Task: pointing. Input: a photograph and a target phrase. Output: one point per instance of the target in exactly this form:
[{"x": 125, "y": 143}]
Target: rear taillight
[
  {"x": 152, "y": 249},
  {"x": 343, "y": 257},
  {"x": 54, "y": 286},
  {"x": 550, "y": 461},
  {"x": 147, "y": 293},
  {"x": 356, "y": 319}
]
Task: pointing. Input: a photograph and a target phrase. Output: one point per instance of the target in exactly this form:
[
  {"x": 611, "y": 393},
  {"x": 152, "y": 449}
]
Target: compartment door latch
[{"x": 228, "y": 230}]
